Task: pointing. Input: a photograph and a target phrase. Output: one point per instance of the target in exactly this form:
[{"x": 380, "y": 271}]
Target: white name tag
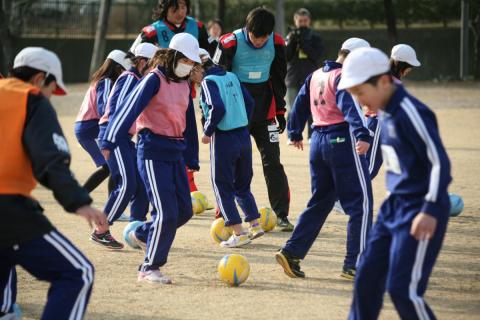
[
  {"x": 390, "y": 159},
  {"x": 254, "y": 75},
  {"x": 273, "y": 133}
]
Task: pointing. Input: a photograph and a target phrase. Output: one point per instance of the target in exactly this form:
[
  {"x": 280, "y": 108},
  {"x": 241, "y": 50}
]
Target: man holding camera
[{"x": 304, "y": 48}]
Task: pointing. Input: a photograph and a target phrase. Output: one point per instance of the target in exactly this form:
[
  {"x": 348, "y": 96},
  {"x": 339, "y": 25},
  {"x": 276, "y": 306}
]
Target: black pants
[{"x": 275, "y": 177}]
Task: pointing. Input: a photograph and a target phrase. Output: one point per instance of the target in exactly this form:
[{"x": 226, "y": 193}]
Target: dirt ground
[{"x": 454, "y": 290}]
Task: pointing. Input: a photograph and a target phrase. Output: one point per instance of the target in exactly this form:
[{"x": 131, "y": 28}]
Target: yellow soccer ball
[
  {"x": 233, "y": 269},
  {"x": 196, "y": 206},
  {"x": 268, "y": 219},
  {"x": 201, "y": 199},
  {"x": 219, "y": 232}
]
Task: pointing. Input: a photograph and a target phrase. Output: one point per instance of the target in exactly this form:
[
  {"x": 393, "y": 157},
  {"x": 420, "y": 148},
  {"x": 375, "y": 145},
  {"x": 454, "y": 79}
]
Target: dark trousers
[{"x": 275, "y": 177}]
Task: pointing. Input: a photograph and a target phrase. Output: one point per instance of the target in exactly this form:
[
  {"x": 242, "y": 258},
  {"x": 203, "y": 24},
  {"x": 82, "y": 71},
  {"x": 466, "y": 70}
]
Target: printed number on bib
[
  {"x": 273, "y": 133},
  {"x": 390, "y": 159}
]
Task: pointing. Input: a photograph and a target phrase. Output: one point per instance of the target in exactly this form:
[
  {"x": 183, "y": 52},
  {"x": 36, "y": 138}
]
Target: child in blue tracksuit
[
  {"x": 407, "y": 237},
  {"x": 338, "y": 166},
  {"x": 92, "y": 109},
  {"x": 163, "y": 105},
  {"x": 227, "y": 106}
]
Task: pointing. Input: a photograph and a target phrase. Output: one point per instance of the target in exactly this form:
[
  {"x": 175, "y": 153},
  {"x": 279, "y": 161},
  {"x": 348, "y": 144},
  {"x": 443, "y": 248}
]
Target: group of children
[{"x": 148, "y": 93}]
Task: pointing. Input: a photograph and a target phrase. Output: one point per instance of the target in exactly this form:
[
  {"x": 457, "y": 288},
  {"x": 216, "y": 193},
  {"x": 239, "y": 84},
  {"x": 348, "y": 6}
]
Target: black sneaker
[
  {"x": 106, "y": 240},
  {"x": 348, "y": 273},
  {"x": 284, "y": 225},
  {"x": 290, "y": 264}
]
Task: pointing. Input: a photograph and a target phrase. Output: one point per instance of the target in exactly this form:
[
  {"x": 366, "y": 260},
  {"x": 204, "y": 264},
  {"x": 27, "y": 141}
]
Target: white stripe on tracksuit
[
  {"x": 365, "y": 204},
  {"x": 208, "y": 100},
  {"x": 125, "y": 109},
  {"x": 415, "y": 277},
  {"x": 7, "y": 294},
  {"x": 157, "y": 223},
  {"x": 375, "y": 144},
  {"x": 215, "y": 188},
  {"x": 432, "y": 152},
  {"x": 79, "y": 262},
  {"x": 123, "y": 188}
]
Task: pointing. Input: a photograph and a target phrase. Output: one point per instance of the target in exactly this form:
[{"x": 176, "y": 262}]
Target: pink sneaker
[{"x": 154, "y": 276}]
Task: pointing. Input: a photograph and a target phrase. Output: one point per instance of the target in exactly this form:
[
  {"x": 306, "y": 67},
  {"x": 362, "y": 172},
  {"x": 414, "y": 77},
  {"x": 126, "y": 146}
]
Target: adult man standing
[{"x": 304, "y": 48}]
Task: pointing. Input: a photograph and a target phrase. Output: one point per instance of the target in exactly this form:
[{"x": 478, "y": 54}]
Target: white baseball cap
[
  {"x": 145, "y": 50},
  {"x": 187, "y": 45},
  {"x": 43, "y": 60},
  {"x": 204, "y": 53},
  {"x": 119, "y": 57},
  {"x": 405, "y": 53},
  {"x": 361, "y": 65},
  {"x": 354, "y": 43}
]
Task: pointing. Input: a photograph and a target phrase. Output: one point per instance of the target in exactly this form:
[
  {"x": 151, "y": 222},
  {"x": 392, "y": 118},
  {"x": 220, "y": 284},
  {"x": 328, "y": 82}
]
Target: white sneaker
[
  {"x": 133, "y": 238},
  {"x": 236, "y": 241},
  {"x": 154, "y": 276},
  {"x": 255, "y": 232},
  {"x": 123, "y": 217},
  {"x": 289, "y": 142},
  {"x": 338, "y": 207}
]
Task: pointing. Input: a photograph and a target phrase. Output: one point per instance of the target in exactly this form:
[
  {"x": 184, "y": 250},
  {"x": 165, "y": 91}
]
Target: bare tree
[
  {"x": 102, "y": 26},
  {"x": 391, "y": 21},
  {"x": 475, "y": 26}
]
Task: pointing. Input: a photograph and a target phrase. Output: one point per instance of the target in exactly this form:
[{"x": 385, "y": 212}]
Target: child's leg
[
  {"x": 223, "y": 156},
  {"x": 354, "y": 190},
  {"x": 8, "y": 283},
  {"x": 411, "y": 264},
  {"x": 320, "y": 204},
  {"x": 183, "y": 197},
  {"x": 159, "y": 179},
  {"x": 139, "y": 203},
  {"x": 374, "y": 154},
  {"x": 191, "y": 181},
  {"x": 55, "y": 259},
  {"x": 371, "y": 275}
]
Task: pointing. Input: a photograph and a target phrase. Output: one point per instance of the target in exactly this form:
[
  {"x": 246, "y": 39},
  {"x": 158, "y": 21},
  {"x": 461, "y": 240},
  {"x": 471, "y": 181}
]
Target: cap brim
[
  {"x": 61, "y": 90},
  {"x": 347, "y": 83},
  {"x": 195, "y": 58},
  {"x": 415, "y": 63}
]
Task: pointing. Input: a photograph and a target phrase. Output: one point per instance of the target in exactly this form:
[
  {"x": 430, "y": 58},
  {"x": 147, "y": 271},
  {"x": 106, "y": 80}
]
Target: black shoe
[
  {"x": 348, "y": 273},
  {"x": 106, "y": 240},
  {"x": 290, "y": 264},
  {"x": 284, "y": 225}
]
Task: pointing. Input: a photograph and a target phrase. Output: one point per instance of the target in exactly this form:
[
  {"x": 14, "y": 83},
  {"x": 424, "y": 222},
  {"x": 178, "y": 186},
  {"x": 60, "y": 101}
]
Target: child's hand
[
  {"x": 423, "y": 226},
  {"x": 93, "y": 216},
  {"x": 362, "y": 147},
  {"x": 196, "y": 75},
  {"x": 298, "y": 144},
  {"x": 206, "y": 139},
  {"x": 106, "y": 153}
]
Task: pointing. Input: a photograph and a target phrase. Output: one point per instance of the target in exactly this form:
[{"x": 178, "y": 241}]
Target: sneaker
[
  {"x": 255, "y": 232},
  {"x": 290, "y": 264},
  {"x": 348, "y": 273},
  {"x": 106, "y": 240},
  {"x": 123, "y": 217},
  {"x": 133, "y": 238},
  {"x": 284, "y": 225},
  {"x": 154, "y": 276},
  {"x": 338, "y": 207},
  {"x": 236, "y": 241},
  {"x": 15, "y": 315}
]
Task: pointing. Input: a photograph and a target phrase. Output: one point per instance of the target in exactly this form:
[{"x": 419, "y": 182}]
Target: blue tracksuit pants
[
  {"x": 129, "y": 187},
  {"x": 374, "y": 154},
  {"x": 231, "y": 172},
  {"x": 87, "y": 138},
  {"x": 54, "y": 259},
  {"x": 396, "y": 262},
  {"x": 169, "y": 194},
  {"x": 337, "y": 171}
]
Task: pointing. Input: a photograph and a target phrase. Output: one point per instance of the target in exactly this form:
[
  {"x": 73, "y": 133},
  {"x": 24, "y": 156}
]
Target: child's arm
[
  {"x": 190, "y": 155},
  {"x": 103, "y": 91},
  {"x": 278, "y": 72},
  {"x": 211, "y": 96},
  {"x": 300, "y": 112},
  {"x": 130, "y": 109}
]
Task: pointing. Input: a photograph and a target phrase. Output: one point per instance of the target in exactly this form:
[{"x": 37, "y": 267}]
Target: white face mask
[{"x": 182, "y": 70}]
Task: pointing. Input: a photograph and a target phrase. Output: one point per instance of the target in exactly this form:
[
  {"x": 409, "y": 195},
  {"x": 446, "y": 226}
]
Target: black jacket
[
  {"x": 304, "y": 49},
  {"x": 21, "y": 217}
]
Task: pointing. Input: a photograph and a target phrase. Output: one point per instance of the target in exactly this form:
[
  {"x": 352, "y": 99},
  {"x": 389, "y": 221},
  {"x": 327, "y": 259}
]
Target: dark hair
[
  {"x": 397, "y": 67},
  {"x": 26, "y": 73},
  {"x": 303, "y": 12},
  {"x": 160, "y": 12},
  {"x": 214, "y": 21},
  {"x": 260, "y": 22},
  {"x": 374, "y": 80},
  {"x": 167, "y": 59},
  {"x": 109, "y": 69}
]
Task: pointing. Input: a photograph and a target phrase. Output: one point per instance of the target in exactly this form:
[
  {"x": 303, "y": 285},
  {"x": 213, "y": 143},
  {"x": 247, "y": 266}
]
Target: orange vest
[{"x": 16, "y": 175}]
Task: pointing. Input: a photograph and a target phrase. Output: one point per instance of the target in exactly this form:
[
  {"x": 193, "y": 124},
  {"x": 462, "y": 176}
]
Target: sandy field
[{"x": 197, "y": 293}]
